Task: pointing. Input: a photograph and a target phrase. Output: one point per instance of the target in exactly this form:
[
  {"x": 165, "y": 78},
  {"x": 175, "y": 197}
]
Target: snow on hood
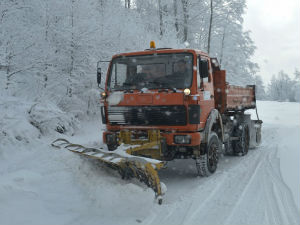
[{"x": 115, "y": 98}]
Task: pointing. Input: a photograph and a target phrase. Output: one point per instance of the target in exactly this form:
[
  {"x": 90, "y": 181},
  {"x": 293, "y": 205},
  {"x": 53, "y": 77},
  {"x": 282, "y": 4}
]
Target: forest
[{"x": 49, "y": 50}]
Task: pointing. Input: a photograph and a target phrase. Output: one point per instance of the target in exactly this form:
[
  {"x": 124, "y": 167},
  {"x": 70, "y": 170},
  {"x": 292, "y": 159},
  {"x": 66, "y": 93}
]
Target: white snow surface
[
  {"x": 115, "y": 98},
  {"x": 43, "y": 185}
]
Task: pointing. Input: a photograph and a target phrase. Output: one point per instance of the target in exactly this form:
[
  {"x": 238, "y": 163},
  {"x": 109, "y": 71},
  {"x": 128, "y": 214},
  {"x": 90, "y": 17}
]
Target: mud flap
[{"x": 255, "y": 133}]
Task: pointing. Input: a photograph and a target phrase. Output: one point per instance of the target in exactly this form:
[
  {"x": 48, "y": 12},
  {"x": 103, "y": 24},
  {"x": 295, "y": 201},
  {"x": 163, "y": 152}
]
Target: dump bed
[{"x": 231, "y": 97}]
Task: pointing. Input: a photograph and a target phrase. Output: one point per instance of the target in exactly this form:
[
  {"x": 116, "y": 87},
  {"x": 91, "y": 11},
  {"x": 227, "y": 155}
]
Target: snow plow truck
[{"x": 162, "y": 104}]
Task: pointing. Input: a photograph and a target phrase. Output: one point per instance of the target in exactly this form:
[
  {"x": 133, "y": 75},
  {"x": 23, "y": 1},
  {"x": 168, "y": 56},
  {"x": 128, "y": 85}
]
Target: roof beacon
[{"x": 152, "y": 44}]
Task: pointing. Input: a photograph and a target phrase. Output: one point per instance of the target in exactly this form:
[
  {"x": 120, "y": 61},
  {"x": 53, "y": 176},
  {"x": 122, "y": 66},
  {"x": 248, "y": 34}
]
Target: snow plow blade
[{"x": 128, "y": 166}]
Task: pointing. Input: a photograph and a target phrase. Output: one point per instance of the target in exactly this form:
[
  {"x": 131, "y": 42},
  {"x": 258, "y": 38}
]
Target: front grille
[{"x": 147, "y": 115}]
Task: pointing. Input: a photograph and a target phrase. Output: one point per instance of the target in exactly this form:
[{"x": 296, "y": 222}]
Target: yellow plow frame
[{"x": 134, "y": 158}]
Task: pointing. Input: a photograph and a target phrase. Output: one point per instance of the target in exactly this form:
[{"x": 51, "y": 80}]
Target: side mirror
[
  {"x": 99, "y": 73},
  {"x": 203, "y": 68}
]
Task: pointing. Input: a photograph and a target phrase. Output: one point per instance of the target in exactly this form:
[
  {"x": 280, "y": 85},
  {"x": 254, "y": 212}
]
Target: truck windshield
[{"x": 151, "y": 72}]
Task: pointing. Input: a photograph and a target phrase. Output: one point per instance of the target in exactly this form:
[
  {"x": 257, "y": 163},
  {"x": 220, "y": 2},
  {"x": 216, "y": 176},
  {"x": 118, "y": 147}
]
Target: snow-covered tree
[
  {"x": 297, "y": 84},
  {"x": 282, "y": 88},
  {"x": 260, "y": 88},
  {"x": 50, "y": 50}
]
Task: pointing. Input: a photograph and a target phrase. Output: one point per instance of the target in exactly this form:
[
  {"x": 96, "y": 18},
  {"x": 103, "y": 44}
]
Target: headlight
[
  {"x": 182, "y": 139},
  {"x": 187, "y": 91},
  {"x": 103, "y": 95}
]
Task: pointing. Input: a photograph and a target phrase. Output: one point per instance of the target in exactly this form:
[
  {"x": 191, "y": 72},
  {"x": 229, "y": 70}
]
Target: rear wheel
[
  {"x": 228, "y": 143},
  {"x": 241, "y": 146},
  {"x": 207, "y": 163}
]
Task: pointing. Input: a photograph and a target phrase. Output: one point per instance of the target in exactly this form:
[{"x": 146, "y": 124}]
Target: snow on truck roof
[{"x": 160, "y": 50}]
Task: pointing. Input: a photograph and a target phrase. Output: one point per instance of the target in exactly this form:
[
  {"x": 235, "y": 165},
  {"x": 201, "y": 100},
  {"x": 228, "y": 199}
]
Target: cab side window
[
  {"x": 203, "y": 69},
  {"x": 206, "y": 79},
  {"x": 198, "y": 72}
]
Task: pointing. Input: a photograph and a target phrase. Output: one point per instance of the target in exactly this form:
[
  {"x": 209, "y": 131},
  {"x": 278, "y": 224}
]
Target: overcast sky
[{"x": 275, "y": 27}]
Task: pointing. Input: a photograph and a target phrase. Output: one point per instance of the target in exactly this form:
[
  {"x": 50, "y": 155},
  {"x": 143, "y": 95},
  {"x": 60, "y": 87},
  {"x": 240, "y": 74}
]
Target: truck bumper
[
  {"x": 181, "y": 139},
  {"x": 172, "y": 139}
]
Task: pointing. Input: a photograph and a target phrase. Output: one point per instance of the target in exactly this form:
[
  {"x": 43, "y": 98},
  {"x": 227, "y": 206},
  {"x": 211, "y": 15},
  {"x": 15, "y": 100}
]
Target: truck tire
[
  {"x": 228, "y": 143},
  {"x": 112, "y": 147},
  {"x": 241, "y": 146},
  {"x": 206, "y": 164},
  {"x": 228, "y": 147}
]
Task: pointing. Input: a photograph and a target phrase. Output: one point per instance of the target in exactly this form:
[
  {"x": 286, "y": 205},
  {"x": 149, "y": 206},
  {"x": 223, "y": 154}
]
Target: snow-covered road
[
  {"x": 40, "y": 185},
  {"x": 248, "y": 190}
]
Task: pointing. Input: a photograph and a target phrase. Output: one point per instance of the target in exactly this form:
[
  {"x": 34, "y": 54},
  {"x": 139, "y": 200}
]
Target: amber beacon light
[{"x": 152, "y": 44}]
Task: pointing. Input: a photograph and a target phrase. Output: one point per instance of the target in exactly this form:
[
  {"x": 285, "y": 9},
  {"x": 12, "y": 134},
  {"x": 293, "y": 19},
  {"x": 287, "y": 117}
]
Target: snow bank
[
  {"x": 22, "y": 122},
  {"x": 43, "y": 185},
  {"x": 14, "y": 125},
  {"x": 48, "y": 118},
  {"x": 115, "y": 97}
]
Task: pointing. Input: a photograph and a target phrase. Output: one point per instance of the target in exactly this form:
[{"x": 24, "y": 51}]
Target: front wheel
[
  {"x": 207, "y": 163},
  {"x": 112, "y": 147}
]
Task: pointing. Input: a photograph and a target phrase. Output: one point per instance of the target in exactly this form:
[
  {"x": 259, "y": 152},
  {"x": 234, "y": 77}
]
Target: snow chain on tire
[
  {"x": 201, "y": 164},
  {"x": 202, "y": 161}
]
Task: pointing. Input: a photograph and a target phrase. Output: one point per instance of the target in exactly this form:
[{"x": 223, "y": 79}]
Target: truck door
[{"x": 205, "y": 88}]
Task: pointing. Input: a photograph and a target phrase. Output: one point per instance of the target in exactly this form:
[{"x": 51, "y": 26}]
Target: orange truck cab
[{"x": 184, "y": 95}]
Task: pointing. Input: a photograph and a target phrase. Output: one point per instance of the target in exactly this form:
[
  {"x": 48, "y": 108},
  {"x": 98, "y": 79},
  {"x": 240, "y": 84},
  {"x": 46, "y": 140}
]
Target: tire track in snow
[
  {"x": 280, "y": 198},
  {"x": 228, "y": 198},
  {"x": 249, "y": 191},
  {"x": 281, "y": 208},
  {"x": 215, "y": 195},
  {"x": 282, "y": 192},
  {"x": 244, "y": 193},
  {"x": 273, "y": 212},
  {"x": 182, "y": 207}
]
